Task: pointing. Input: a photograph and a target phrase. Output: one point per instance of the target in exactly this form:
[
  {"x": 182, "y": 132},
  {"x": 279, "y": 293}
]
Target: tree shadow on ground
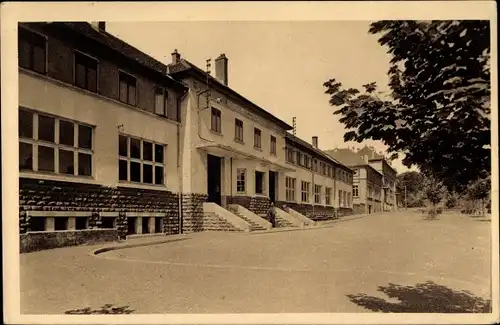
[
  {"x": 107, "y": 309},
  {"x": 427, "y": 297}
]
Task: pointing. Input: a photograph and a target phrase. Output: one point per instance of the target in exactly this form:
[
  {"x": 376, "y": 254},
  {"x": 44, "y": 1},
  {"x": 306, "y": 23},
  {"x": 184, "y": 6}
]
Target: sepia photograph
[{"x": 250, "y": 158}]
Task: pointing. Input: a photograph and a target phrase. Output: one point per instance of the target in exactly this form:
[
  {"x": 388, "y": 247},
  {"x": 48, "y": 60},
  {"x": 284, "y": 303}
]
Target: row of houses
[{"x": 110, "y": 138}]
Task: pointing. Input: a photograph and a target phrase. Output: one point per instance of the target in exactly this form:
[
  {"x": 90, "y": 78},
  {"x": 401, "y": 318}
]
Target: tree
[
  {"x": 437, "y": 112},
  {"x": 479, "y": 191},
  {"x": 413, "y": 182},
  {"x": 434, "y": 192}
]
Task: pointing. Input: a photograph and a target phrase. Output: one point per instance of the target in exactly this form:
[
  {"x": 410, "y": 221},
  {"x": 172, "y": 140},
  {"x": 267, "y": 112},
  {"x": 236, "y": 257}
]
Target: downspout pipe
[{"x": 179, "y": 165}]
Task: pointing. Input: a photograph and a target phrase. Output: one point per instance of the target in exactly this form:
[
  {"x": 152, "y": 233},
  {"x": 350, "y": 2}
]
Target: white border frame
[{"x": 216, "y": 11}]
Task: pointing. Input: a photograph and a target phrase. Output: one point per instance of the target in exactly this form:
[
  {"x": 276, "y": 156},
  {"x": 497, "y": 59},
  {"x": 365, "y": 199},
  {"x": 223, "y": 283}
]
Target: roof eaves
[
  {"x": 270, "y": 116},
  {"x": 133, "y": 53}
]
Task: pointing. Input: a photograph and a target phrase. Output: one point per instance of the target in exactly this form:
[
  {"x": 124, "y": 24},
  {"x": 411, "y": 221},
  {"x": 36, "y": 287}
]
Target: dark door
[
  {"x": 369, "y": 209},
  {"x": 213, "y": 179},
  {"x": 272, "y": 186}
]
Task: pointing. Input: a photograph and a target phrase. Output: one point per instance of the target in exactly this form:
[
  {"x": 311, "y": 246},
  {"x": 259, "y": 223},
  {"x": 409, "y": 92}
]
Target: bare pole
[{"x": 406, "y": 200}]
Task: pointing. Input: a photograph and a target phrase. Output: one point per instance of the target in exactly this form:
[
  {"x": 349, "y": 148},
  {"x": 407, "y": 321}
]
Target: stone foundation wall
[
  {"x": 316, "y": 213},
  {"x": 36, "y": 241},
  {"x": 257, "y": 204},
  {"x": 192, "y": 212},
  {"x": 48, "y": 195},
  {"x": 344, "y": 212}
]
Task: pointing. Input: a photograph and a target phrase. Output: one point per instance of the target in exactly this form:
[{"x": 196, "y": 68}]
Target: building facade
[
  {"x": 320, "y": 186},
  {"x": 110, "y": 138},
  {"x": 389, "y": 179},
  {"x": 367, "y": 182},
  {"x": 98, "y": 144}
]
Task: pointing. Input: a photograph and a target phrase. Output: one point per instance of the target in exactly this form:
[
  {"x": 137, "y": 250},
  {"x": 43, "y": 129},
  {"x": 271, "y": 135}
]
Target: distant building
[{"x": 367, "y": 182}]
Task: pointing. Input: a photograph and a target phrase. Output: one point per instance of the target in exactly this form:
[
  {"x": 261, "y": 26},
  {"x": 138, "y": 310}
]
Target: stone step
[
  {"x": 212, "y": 222},
  {"x": 253, "y": 226}
]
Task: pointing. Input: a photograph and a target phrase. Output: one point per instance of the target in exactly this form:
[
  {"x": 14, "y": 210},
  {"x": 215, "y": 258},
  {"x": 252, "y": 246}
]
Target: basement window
[
  {"x": 61, "y": 223},
  {"x": 37, "y": 224},
  {"x": 81, "y": 223}
]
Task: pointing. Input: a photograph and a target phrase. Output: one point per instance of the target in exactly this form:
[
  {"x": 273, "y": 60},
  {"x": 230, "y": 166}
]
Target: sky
[{"x": 280, "y": 66}]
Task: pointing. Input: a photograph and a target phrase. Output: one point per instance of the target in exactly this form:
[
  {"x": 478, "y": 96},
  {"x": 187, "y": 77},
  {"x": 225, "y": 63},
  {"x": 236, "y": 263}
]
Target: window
[
  {"x": 298, "y": 157},
  {"x": 290, "y": 188},
  {"x": 216, "y": 121},
  {"x": 161, "y": 101},
  {"x": 328, "y": 195},
  {"x": 315, "y": 165},
  {"x": 257, "y": 140},
  {"x": 305, "y": 187},
  {"x": 259, "y": 182},
  {"x": 240, "y": 180},
  {"x": 238, "y": 130},
  {"x": 140, "y": 161},
  {"x": 289, "y": 154},
  {"x": 340, "y": 198},
  {"x": 273, "y": 145},
  {"x": 355, "y": 190},
  {"x": 41, "y": 148},
  {"x": 307, "y": 161},
  {"x": 32, "y": 51},
  {"x": 323, "y": 169},
  {"x": 329, "y": 171},
  {"x": 317, "y": 193},
  {"x": 128, "y": 89},
  {"x": 85, "y": 72}
]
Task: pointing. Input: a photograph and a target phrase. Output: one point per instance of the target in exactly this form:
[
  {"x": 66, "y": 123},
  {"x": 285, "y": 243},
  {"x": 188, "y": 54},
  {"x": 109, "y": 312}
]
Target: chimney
[
  {"x": 176, "y": 57},
  {"x": 99, "y": 25},
  {"x": 315, "y": 142},
  {"x": 366, "y": 158},
  {"x": 221, "y": 68}
]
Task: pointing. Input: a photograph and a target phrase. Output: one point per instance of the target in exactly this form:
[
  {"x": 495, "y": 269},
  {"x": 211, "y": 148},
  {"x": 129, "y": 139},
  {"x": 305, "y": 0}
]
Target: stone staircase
[
  {"x": 212, "y": 222},
  {"x": 253, "y": 225},
  {"x": 282, "y": 223},
  {"x": 283, "y": 219}
]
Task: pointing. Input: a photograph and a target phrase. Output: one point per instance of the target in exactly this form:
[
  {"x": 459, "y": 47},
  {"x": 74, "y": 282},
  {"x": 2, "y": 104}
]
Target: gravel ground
[{"x": 394, "y": 262}]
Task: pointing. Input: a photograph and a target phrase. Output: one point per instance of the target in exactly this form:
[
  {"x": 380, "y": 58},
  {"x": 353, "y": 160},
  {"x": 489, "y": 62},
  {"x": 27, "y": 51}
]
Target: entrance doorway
[
  {"x": 272, "y": 186},
  {"x": 214, "y": 179},
  {"x": 369, "y": 209}
]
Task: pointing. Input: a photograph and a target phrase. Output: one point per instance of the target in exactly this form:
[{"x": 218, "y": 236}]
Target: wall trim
[{"x": 59, "y": 214}]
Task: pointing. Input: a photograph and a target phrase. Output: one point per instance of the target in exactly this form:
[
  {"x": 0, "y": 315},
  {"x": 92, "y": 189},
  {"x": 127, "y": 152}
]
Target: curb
[
  {"x": 275, "y": 230},
  {"x": 133, "y": 245}
]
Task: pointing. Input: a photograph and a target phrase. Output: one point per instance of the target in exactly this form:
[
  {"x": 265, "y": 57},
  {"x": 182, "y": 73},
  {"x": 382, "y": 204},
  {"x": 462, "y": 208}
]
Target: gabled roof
[
  {"x": 310, "y": 147},
  {"x": 117, "y": 45},
  {"x": 346, "y": 156},
  {"x": 184, "y": 67},
  {"x": 370, "y": 152},
  {"x": 350, "y": 158}
]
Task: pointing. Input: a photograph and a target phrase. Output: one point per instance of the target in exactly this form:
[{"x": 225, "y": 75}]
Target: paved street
[{"x": 423, "y": 263}]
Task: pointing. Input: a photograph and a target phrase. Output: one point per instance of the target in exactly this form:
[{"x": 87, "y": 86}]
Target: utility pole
[
  {"x": 208, "y": 81},
  {"x": 406, "y": 201}
]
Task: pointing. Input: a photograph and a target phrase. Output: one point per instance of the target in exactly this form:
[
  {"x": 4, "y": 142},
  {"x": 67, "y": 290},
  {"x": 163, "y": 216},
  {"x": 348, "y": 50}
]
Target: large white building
[{"x": 112, "y": 140}]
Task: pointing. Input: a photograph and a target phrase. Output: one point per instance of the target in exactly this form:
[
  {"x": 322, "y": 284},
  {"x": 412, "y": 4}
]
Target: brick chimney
[
  {"x": 99, "y": 25},
  {"x": 221, "y": 69},
  {"x": 176, "y": 57},
  {"x": 315, "y": 142}
]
